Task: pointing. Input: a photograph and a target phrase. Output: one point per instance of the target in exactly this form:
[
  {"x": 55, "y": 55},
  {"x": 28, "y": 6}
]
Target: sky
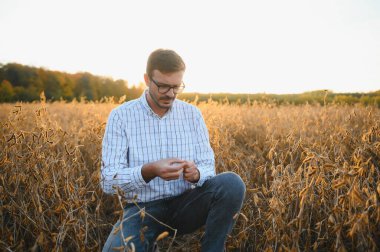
[{"x": 283, "y": 46}]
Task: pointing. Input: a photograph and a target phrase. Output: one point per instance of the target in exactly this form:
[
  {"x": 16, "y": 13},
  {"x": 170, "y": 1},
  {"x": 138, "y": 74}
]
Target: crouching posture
[{"x": 156, "y": 149}]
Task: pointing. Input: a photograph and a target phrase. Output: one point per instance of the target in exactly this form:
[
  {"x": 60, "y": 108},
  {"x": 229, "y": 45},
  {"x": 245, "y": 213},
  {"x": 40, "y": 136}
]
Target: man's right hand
[{"x": 167, "y": 169}]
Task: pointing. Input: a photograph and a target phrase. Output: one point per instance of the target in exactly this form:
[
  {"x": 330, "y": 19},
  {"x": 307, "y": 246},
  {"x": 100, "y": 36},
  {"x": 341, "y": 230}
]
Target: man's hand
[
  {"x": 167, "y": 169},
  {"x": 191, "y": 172}
]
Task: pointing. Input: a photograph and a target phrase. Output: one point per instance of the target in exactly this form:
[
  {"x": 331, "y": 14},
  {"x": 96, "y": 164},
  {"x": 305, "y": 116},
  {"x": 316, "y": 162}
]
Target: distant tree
[
  {"x": 12, "y": 73},
  {"x": 345, "y": 99},
  {"x": 6, "y": 91},
  {"x": 106, "y": 87},
  {"x": 22, "y": 94},
  {"x": 1, "y": 72},
  {"x": 82, "y": 86},
  {"x": 52, "y": 86},
  {"x": 67, "y": 87},
  {"x": 135, "y": 91},
  {"x": 120, "y": 88},
  {"x": 365, "y": 100},
  {"x": 377, "y": 100}
]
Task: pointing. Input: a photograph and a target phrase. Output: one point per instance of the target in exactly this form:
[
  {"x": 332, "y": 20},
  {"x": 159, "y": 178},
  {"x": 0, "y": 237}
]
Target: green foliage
[
  {"x": 320, "y": 97},
  {"x": 24, "y": 83},
  {"x": 6, "y": 91}
]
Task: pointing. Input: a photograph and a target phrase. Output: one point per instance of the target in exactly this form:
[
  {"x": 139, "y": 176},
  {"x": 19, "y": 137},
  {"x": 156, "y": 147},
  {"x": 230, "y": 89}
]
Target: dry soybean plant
[{"x": 312, "y": 176}]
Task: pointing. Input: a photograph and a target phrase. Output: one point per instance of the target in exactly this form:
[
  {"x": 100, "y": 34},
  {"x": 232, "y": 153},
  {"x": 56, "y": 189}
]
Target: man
[{"x": 156, "y": 149}]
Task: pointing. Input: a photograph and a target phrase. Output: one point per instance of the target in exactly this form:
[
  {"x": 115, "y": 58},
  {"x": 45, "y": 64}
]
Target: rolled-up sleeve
[
  {"x": 114, "y": 166},
  {"x": 204, "y": 155}
]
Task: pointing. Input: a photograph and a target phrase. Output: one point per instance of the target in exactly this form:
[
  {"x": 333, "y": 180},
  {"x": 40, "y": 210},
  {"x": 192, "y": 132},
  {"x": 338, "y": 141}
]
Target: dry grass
[{"x": 312, "y": 175}]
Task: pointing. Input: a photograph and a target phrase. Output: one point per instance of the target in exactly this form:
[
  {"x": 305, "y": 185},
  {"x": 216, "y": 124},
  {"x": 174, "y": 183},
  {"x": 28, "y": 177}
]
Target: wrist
[
  {"x": 197, "y": 178},
  {"x": 148, "y": 172}
]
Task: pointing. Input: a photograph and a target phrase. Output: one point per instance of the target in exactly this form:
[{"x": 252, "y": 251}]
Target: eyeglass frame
[{"x": 182, "y": 86}]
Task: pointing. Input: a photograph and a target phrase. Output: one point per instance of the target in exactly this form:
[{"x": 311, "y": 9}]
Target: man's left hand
[{"x": 191, "y": 172}]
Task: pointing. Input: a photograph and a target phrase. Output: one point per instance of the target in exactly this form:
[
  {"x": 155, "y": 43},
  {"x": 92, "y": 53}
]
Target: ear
[{"x": 147, "y": 80}]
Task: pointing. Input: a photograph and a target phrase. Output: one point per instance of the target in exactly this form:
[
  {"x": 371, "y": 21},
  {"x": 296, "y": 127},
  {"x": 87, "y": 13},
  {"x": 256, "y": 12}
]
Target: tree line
[
  {"x": 321, "y": 97},
  {"x": 25, "y": 83}
]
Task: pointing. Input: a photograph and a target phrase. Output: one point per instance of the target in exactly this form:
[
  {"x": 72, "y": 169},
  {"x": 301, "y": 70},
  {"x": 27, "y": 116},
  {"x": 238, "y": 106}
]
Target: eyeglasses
[{"x": 164, "y": 88}]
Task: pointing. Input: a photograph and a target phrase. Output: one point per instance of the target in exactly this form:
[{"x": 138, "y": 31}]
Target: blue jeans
[{"x": 212, "y": 205}]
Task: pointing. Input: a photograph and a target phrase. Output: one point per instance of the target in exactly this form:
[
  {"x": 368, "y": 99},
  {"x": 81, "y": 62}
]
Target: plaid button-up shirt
[{"x": 135, "y": 135}]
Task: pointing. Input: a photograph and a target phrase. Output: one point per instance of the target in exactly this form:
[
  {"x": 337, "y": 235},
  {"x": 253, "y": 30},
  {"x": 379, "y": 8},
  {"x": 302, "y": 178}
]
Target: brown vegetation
[{"x": 312, "y": 174}]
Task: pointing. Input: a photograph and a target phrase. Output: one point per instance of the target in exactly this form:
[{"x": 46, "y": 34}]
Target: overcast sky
[{"x": 284, "y": 46}]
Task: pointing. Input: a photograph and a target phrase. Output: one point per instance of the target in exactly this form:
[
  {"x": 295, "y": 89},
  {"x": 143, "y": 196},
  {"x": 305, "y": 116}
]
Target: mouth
[{"x": 166, "y": 99}]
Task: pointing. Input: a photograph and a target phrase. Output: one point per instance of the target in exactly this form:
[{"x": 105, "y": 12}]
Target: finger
[
  {"x": 190, "y": 172},
  {"x": 176, "y": 160},
  {"x": 172, "y": 169},
  {"x": 187, "y": 170},
  {"x": 171, "y": 176},
  {"x": 189, "y": 175},
  {"x": 183, "y": 162},
  {"x": 178, "y": 165},
  {"x": 190, "y": 163},
  {"x": 190, "y": 179},
  {"x": 170, "y": 172}
]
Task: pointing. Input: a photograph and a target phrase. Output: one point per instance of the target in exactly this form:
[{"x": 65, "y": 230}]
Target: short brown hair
[{"x": 165, "y": 61}]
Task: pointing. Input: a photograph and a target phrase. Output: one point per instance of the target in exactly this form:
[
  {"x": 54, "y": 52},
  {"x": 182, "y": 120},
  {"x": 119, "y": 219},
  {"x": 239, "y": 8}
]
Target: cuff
[
  {"x": 203, "y": 176},
  {"x": 134, "y": 178}
]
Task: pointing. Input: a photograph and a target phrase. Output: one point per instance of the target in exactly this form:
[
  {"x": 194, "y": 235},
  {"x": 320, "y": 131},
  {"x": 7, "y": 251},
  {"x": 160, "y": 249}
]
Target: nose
[{"x": 171, "y": 92}]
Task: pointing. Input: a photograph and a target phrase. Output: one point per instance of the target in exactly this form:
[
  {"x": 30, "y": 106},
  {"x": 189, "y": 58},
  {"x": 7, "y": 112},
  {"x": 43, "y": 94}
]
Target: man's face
[{"x": 158, "y": 83}]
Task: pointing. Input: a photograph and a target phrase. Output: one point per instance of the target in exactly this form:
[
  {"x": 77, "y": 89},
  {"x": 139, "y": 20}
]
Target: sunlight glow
[{"x": 229, "y": 46}]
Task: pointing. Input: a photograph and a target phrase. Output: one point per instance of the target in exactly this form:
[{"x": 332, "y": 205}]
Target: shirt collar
[{"x": 149, "y": 110}]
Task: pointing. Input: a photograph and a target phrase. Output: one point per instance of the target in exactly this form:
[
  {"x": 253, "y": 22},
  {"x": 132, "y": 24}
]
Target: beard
[{"x": 157, "y": 100}]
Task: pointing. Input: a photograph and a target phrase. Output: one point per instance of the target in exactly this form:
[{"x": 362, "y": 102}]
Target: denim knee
[{"x": 230, "y": 184}]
